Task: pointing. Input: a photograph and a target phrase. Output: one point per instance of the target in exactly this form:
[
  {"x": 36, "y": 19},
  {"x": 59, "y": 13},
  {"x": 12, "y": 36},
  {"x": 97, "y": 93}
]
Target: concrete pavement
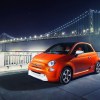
[
  {"x": 14, "y": 68},
  {"x": 20, "y": 86}
]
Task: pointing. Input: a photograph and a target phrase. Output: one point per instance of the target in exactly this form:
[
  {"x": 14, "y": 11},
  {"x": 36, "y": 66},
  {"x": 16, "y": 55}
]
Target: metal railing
[{"x": 19, "y": 58}]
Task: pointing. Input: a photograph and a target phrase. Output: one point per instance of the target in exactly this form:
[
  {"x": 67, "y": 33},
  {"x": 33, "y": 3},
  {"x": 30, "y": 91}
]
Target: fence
[{"x": 17, "y": 58}]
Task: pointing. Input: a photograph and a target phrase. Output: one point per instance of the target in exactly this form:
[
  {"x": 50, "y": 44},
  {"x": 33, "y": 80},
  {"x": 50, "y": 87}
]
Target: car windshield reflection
[{"x": 62, "y": 48}]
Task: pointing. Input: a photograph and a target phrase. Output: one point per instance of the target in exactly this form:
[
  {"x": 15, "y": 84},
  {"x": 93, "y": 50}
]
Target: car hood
[{"x": 44, "y": 57}]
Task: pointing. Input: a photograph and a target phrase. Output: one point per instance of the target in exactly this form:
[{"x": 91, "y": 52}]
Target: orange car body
[{"x": 81, "y": 64}]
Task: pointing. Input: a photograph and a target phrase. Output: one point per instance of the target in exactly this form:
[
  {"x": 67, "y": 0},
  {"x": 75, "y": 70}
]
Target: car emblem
[{"x": 36, "y": 65}]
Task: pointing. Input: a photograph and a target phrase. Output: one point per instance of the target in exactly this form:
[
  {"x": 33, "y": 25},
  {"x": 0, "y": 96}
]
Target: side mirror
[{"x": 78, "y": 52}]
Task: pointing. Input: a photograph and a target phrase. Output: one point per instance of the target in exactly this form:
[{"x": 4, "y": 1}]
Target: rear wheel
[
  {"x": 66, "y": 75},
  {"x": 97, "y": 68}
]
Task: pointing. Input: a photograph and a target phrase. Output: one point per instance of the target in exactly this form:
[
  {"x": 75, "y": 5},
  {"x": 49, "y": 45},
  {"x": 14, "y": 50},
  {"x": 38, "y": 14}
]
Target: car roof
[{"x": 73, "y": 43}]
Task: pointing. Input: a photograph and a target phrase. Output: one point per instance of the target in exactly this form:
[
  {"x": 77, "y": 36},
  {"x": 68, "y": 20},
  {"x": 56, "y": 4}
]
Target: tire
[
  {"x": 66, "y": 75},
  {"x": 97, "y": 68}
]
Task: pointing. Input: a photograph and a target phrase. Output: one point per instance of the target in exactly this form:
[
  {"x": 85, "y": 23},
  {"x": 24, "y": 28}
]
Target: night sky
[{"x": 21, "y": 18}]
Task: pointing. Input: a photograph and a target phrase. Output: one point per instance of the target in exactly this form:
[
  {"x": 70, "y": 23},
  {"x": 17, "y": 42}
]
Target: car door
[
  {"x": 92, "y": 56},
  {"x": 82, "y": 61}
]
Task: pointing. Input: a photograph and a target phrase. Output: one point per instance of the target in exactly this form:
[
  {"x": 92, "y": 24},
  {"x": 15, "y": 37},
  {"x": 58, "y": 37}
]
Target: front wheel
[
  {"x": 66, "y": 75},
  {"x": 97, "y": 68}
]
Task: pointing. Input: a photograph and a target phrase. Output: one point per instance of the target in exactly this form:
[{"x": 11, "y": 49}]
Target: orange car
[{"x": 64, "y": 61}]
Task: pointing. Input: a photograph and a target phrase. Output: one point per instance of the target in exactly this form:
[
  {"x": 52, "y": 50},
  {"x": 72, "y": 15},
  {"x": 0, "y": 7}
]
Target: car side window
[
  {"x": 88, "y": 48},
  {"x": 57, "y": 48},
  {"x": 84, "y": 47},
  {"x": 79, "y": 47}
]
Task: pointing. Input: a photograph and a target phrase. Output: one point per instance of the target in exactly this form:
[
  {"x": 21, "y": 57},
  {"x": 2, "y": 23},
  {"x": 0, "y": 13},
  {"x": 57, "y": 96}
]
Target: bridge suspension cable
[{"x": 85, "y": 24}]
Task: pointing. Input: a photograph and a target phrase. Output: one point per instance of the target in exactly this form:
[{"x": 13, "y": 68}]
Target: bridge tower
[
  {"x": 91, "y": 26},
  {"x": 5, "y": 36},
  {"x": 91, "y": 21}
]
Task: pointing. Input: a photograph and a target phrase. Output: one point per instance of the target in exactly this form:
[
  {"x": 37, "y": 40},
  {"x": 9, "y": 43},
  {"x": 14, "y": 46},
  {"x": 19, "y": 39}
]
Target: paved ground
[
  {"x": 20, "y": 86},
  {"x": 5, "y": 69}
]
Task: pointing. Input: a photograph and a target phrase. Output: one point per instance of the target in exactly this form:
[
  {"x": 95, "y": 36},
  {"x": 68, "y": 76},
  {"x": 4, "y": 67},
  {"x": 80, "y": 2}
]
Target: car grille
[{"x": 37, "y": 66}]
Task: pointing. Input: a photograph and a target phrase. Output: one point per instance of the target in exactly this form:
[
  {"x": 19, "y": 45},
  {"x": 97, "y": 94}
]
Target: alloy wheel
[
  {"x": 97, "y": 70},
  {"x": 66, "y": 76}
]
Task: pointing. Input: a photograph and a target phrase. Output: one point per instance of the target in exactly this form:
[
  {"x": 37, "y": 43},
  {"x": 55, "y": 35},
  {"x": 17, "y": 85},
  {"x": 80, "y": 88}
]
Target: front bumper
[{"x": 37, "y": 75}]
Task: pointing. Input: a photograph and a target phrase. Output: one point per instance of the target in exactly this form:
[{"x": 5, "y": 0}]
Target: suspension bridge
[
  {"x": 87, "y": 23},
  {"x": 85, "y": 27}
]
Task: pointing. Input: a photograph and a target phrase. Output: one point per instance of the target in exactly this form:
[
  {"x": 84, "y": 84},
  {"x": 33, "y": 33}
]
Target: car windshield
[{"x": 61, "y": 48}]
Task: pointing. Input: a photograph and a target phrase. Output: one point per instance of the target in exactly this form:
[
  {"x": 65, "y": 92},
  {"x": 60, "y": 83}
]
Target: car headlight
[{"x": 51, "y": 63}]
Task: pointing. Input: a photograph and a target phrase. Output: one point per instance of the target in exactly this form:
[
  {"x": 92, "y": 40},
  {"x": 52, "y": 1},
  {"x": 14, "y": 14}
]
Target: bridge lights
[
  {"x": 47, "y": 35},
  {"x": 41, "y": 36},
  {"x": 84, "y": 31},
  {"x": 63, "y": 33},
  {"x": 87, "y": 29},
  {"x": 73, "y": 32},
  {"x": 21, "y": 38},
  {"x": 25, "y": 38},
  {"x": 35, "y": 36},
  {"x": 2, "y": 41},
  {"x": 11, "y": 40},
  {"x": 30, "y": 37}
]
